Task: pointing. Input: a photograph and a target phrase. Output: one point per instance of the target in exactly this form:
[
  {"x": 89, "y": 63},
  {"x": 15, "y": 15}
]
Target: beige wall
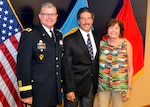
[{"x": 141, "y": 86}]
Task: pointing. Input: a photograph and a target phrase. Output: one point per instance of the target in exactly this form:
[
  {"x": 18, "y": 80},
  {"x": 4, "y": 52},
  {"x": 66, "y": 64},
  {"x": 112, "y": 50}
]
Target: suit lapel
[
  {"x": 97, "y": 44},
  {"x": 82, "y": 44},
  {"x": 96, "y": 41}
]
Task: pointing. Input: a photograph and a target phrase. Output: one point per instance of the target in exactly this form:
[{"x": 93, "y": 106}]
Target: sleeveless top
[{"x": 113, "y": 67}]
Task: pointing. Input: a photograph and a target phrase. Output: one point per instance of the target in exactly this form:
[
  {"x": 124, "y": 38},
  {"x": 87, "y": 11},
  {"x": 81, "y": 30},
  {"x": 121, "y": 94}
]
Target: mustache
[{"x": 86, "y": 24}]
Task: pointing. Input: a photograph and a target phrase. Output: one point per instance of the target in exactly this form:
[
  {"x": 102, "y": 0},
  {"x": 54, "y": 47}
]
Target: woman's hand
[{"x": 128, "y": 95}]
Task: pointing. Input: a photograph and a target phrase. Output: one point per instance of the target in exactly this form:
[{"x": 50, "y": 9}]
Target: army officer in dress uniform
[{"x": 39, "y": 60}]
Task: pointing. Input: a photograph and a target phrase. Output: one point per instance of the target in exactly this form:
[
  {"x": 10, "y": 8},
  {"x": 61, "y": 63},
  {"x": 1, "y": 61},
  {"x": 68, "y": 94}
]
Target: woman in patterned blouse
[{"x": 115, "y": 66}]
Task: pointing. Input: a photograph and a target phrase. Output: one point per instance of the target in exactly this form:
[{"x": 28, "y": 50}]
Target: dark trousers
[
  {"x": 27, "y": 105},
  {"x": 84, "y": 101}
]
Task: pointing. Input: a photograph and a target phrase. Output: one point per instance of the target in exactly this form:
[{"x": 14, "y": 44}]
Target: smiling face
[
  {"x": 114, "y": 31},
  {"x": 85, "y": 21},
  {"x": 114, "y": 28},
  {"x": 48, "y": 16}
]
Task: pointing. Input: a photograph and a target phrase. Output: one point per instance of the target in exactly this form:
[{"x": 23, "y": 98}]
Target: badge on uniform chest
[
  {"x": 41, "y": 45},
  {"x": 41, "y": 56}
]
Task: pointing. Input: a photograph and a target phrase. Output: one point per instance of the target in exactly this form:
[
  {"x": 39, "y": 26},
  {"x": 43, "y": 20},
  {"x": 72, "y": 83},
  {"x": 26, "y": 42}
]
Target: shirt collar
[
  {"x": 47, "y": 29},
  {"x": 84, "y": 32}
]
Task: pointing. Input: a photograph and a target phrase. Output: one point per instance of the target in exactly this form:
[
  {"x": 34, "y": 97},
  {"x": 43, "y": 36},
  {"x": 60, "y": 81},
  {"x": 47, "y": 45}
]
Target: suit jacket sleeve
[{"x": 67, "y": 67}]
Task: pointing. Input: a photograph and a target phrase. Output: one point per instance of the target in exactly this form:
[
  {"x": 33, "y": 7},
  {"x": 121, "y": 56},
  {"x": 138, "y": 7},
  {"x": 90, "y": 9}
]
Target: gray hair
[{"x": 48, "y": 5}]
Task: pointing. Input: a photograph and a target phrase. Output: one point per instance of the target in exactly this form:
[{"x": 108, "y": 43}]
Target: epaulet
[
  {"x": 59, "y": 30},
  {"x": 28, "y": 29}
]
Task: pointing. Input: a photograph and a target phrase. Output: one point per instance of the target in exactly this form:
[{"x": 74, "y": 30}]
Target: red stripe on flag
[
  {"x": 9, "y": 58},
  {"x": 4, "y": 100},
  {"x": 10, "y": 85},
  {"x": 133, "y": 34},
  {"x": 14, "y": 42}
]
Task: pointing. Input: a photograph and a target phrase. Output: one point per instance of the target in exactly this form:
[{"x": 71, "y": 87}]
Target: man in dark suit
[
  {"x": 80, "y": 65},
  {"x": 39, "y": 61}
]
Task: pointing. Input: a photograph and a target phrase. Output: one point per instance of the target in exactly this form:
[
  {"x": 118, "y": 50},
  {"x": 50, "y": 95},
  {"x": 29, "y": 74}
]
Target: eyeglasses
[{"x": 49, "y": 14}]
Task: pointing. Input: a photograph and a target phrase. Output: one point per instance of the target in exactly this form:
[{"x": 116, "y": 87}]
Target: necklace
[{"x": 114, "y": 42}]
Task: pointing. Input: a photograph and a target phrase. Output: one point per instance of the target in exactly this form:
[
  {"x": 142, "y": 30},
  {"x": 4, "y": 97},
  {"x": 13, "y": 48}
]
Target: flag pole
[
  {"x": 14, "y": 13},
  {"x": 87, "y": 3}
]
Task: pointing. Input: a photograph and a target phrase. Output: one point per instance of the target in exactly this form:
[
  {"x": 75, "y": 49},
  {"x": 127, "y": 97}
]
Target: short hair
[
  {"x": 112, "y": 22},
  {"x": 48, "y": 5},
  {"x": 84, "y": 9}
]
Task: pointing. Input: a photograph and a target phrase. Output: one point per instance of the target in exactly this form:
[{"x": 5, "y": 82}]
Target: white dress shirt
[
  {"x": 48, "y": 31},
  {"x": 84, "y": 35}
]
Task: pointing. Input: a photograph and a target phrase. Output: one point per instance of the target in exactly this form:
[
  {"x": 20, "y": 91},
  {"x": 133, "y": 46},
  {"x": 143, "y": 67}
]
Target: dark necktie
[
  {"x": 53, "y": 36},
  {"x": 89, "y": 46}
]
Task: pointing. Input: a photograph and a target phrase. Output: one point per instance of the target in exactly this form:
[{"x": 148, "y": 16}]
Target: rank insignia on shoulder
[
  {"x": 59, "y": 30},
  {"x": 28, "y": 29}
]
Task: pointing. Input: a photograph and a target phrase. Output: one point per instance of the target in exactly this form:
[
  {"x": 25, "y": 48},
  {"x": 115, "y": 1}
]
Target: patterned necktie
[
  {"x": 89, "y": 46},
  {"x": 53, "y": 36}
]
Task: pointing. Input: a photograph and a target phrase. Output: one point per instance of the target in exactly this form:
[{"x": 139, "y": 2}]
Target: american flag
[{"x": 10, "y": 32}]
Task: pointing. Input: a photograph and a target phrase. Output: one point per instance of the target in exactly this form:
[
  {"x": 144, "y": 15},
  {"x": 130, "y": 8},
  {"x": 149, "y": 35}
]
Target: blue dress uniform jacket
[{"x": 39, "y": 66}]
